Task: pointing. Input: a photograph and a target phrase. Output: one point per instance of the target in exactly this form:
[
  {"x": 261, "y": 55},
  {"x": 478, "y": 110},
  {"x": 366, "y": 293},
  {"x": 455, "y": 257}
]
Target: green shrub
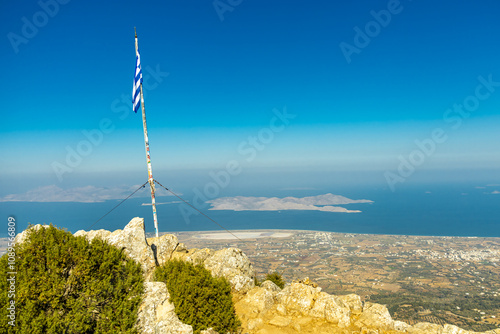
[
  {"x": 200, "y": 300},
  {"x": 276, "y": 279},
  {"x": 64, "y": 284}
]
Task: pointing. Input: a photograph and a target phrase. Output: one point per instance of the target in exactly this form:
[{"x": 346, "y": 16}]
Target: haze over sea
[{"x": 416, "y": 208}]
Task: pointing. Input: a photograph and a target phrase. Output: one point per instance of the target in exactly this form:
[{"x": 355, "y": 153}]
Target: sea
[{"x": 420, "y": 209}]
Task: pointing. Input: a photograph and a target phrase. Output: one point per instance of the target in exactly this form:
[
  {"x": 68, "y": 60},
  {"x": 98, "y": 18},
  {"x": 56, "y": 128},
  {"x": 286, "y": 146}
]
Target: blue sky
[{"x": 219, "y": 76}]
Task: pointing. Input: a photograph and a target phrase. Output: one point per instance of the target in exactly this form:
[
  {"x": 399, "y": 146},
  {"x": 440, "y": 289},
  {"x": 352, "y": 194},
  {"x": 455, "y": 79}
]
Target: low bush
[
  {"x": 200, "y": 300},
  {"x": 64, "y": 284},
  {"x": 276, "y": 278}
]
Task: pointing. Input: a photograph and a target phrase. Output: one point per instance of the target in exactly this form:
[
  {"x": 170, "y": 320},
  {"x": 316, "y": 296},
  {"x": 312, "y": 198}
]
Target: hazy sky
[{"x": 319, "y": 85}]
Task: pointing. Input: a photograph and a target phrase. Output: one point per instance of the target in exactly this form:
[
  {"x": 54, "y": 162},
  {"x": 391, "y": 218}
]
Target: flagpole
[{"x": 146, "y": 142}]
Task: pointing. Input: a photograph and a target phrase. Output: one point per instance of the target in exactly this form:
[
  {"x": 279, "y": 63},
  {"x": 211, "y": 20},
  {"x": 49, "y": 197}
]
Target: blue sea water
[{"x": 430, "y": 209}]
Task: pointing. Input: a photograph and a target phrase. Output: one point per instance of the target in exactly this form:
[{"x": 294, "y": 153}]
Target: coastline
[
  {"x": 246, "y": 234},
  {"x": 276, "y": 232}
]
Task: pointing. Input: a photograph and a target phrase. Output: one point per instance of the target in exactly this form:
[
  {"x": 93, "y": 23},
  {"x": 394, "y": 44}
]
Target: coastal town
[{"x": 420, "y": 278}]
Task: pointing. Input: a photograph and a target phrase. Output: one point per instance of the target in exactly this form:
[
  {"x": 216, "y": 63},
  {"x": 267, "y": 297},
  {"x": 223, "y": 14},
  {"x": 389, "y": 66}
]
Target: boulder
[
  {"x": 425, "y": 328},
  {"x": 306, "y": 281},
  {"x": 21, "y": 237},
  {"x": 401, "y": 326},
  {"x": 234, "y": 265},
  {"x": 309, "y": 301},
  {"x": 230, "y": 263},
  {"x": 156, "y": 313},
  {"x": 352, "y": 301},
  {"x": 375, "y": 316},
  {"x": 451, "y": 329},
  {"x": 281, "y": 309},
  {"x": 326, "y": 307},
  {"x": 298, "y": 297},
  {"x": 163, "y": 247},
  {"x": 132, "y": 239},
  {"x": 259, "y": 299},
  {"x": 280, "y": 321},
  {"x": 270, "y": 286},
  {"x": 255, "y": 323},
  {"x": 102, "y": 234},
  {"x": 194, "y": 255}
]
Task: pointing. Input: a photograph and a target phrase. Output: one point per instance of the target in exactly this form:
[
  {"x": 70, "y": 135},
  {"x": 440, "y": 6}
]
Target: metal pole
[{"x": 148, "y": 157}]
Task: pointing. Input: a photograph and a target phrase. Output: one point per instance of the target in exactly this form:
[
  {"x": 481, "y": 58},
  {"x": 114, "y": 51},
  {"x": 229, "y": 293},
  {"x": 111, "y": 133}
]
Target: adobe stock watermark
[
  {"x": 371, "y": 29},
  {"x": 11, "y": 271},
  {"x": 223, "y": 6},
  {"x": 453, "y": 117},
  {"x": 93, "y": 138},
  {"x": 30, "y": 26},
  {"x": 249, "y": 150}
]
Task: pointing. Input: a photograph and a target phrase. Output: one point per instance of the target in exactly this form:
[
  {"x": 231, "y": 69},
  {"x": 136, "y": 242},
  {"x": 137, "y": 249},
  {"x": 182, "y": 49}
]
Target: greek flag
[{"x": 136, "y": 92}]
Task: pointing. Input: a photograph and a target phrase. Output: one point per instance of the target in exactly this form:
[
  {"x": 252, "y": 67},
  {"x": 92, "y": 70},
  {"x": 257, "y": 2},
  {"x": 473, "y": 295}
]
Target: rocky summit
[{"x": 300, "y": 307}]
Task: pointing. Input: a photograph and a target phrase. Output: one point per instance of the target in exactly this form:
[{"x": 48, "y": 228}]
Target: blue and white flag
[{"x": 136, "y": 92}]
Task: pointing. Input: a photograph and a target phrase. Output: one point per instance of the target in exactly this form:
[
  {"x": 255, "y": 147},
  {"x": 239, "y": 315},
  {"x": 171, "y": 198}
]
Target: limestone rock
[
  {"x": 296, "y": 326},
  {"x": 306, "y": 281},
  {"x": 156, "y": 313},
  {"x": 102, "y": 234},
  {"x": 209, "y": 331},
  {"x": 369, "y": 331},
  {"x": 234, "y": 265},
  {"x": 271, "y": 286},
  {"x": 375, "y": 316},
  {"x": 450, "y": 329},
  {"x": 298, "y": 297},
  {"x": 21, "y": 237},
  {"x": 181, "y": 248},
  {"x": 163, "y": 246},
  {"x": 259, "y": 299},
  {"x": 194, "y": 256},
  {"x": 327, "y": 307},
  {"x": 281, "y": 309},
  {"x": 280, "y": 321},
  {"x": 425, "y": 328},
  {"x": 230, "y": 263},
  {"x": 352, "y": 301},
  {"x": 401, "y": 326},
  {"x": 133, "y": 240},
  {"x": 254, "y": 323}
]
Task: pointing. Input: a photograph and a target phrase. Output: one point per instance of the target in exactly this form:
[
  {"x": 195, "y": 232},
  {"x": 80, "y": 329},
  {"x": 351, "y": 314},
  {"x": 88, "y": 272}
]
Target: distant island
[{"x": 326, "y": 203}]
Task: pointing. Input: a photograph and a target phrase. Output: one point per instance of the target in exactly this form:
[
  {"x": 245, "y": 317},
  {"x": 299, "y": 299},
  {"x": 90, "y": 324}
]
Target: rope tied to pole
[
  {"x": 173, "y": 193},
  {"x": 98, "y": 220}
]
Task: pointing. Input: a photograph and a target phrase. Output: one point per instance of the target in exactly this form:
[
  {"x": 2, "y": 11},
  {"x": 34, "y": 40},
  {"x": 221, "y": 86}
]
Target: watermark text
[
  {"x": 453, "y": 117},
  {"x": 31, "y": 26},
  {"x": 11, "y": 271}
]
